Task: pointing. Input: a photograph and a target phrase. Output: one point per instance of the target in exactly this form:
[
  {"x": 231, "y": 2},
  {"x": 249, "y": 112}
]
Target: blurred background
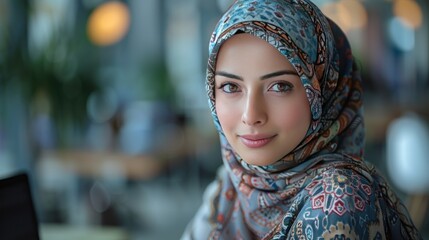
[{"x": 103, "y": 104}]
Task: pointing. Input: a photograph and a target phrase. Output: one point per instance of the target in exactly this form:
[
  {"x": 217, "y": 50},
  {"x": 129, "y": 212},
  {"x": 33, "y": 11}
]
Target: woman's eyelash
[
  {"x": 229, "y": 87},
  {"x": 221, "y": 85},
  {"x": 286, "y": 86}
]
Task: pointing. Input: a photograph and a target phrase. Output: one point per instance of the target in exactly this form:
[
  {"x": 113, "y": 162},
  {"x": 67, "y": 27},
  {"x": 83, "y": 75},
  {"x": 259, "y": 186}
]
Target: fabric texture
[{"x": 323, "y": 189}]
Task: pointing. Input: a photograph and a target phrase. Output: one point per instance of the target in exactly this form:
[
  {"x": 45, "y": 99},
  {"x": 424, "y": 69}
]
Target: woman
[{"x": 286, "y": 99}]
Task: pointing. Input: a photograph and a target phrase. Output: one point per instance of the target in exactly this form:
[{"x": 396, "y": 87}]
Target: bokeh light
[
  {"x": 102, "y": 105},
  {"x": 402, "y": 36},
  {"x": 407, "y": 141},
  {"x": 409, "y": 12},
  {"x": 108, "y": 23},
  {"x": 348, "y": 14}
]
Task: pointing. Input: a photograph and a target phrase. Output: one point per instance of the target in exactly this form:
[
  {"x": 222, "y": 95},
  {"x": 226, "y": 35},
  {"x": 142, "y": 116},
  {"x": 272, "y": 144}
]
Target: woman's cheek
[
  {"x": 292, "y": 115},
  {"x": 226, "y": 114}
]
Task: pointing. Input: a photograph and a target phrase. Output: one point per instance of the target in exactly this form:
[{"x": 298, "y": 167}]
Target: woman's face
[{"x": 260, "y": 100}]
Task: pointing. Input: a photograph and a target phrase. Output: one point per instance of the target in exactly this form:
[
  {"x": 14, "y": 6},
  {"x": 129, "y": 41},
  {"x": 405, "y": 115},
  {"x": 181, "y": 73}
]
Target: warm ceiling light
[
  {"x": 409, "y": 12},
  {"x": 108, "y": 23}
]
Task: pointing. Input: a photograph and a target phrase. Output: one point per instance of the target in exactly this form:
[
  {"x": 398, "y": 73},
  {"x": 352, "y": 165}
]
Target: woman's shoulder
[
  {"x": 337, "y": 203},
  {"x": 348, "y": 202},
  {"x": 341, "y": 191}
]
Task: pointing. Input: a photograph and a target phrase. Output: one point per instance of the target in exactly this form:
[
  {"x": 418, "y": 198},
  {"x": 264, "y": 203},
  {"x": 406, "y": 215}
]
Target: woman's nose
[{"x": 255, "y": 112}]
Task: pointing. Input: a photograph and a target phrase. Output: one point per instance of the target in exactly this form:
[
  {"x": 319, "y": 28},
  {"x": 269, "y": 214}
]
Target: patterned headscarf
[
  {"x": 249, "y": 201},
  {"x": 314, "y": 46}
]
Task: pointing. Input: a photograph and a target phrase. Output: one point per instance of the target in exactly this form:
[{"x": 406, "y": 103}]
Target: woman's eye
[
  {"x": 281, "y": 87},
  {"x": 229, "y": 88}
]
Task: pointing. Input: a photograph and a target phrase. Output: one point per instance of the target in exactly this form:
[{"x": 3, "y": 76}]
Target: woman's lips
[{"x": 255, "y": 141}]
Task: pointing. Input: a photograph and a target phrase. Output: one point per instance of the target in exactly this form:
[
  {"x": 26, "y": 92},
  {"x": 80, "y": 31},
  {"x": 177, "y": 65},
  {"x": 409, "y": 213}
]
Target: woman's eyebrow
[
  {"x": 228, "y": 75},
  {"x": 266, "y": 76},
  {"x": 279, "y": 73}
]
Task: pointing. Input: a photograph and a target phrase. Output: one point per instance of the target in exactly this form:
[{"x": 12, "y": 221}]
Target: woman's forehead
[{"x": 244, "y": 53}]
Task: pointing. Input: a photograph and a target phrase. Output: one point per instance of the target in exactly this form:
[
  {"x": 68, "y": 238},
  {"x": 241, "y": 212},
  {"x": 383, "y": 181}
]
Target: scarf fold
[{"x": 324, "y": 183}]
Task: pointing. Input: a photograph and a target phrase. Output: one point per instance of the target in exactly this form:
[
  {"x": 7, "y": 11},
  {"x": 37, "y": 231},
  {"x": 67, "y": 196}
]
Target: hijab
[{"x": 323, "y": 184}]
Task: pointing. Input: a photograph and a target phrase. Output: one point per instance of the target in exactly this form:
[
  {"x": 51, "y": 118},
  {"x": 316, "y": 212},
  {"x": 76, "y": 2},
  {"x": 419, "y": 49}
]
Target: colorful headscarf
[{"x": 323, "y": 186}]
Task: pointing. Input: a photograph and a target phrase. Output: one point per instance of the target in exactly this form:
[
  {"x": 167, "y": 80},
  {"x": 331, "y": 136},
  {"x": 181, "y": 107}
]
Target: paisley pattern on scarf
[{"x": 323, "y": 189}]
